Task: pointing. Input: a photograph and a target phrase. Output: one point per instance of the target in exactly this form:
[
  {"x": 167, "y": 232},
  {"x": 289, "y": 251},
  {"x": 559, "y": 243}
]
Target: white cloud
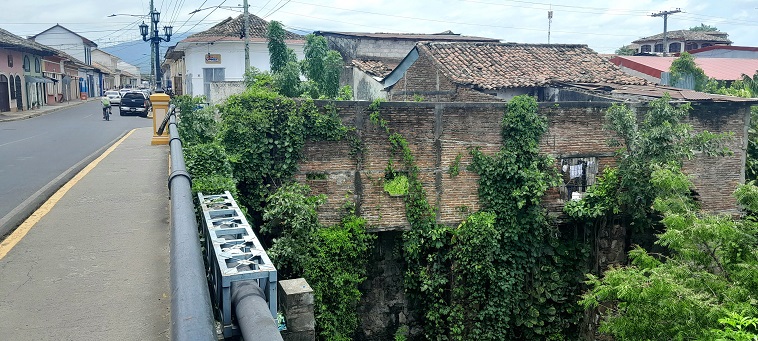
[{"x": 603, "y": 25}]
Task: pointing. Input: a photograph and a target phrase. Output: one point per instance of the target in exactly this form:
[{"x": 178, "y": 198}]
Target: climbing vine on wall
[{"x": 504, "y": 272}]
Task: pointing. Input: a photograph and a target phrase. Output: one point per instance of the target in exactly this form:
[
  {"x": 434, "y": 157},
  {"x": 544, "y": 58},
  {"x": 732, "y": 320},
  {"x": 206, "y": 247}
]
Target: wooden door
[{"x": 5, "y": 95}]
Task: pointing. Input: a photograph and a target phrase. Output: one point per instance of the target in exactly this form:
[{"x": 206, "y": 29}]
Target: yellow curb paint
[{"x": 18, "y": 234}]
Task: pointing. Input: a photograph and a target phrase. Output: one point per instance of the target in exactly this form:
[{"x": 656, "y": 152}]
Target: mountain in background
[{"x": 137, "y": 52}]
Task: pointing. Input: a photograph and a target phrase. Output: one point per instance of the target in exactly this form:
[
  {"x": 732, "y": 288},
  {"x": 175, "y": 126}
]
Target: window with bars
[{"x": 577, "y": 174}]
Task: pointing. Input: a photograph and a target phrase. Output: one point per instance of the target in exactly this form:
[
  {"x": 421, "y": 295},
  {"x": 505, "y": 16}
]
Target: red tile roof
[
  {"x": 718, "y": 68},
  {"x": 510, "y": 65},
  {"x": 230, "y": 29},
  {"x": 714, "y": 36},
  {"x": 375, "y": 68},
  {"x": 442, "y": 36}
]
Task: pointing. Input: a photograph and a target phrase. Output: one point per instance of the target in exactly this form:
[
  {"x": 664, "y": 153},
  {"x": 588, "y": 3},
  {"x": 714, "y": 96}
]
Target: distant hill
[{"x": 137, "y": 52}]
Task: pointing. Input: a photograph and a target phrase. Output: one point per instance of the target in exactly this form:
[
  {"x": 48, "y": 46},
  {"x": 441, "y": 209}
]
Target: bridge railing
[
  {"x": 191, "y": 312},
  {"x": 243, "y": 277}
]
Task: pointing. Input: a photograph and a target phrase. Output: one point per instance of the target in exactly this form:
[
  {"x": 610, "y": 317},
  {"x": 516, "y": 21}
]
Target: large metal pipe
[
  {"x": 253, "y": 314},
  {"x": 191, "y": 312}
]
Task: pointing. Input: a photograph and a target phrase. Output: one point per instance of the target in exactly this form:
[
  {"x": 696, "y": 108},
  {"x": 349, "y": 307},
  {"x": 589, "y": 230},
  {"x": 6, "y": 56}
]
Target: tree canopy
[
  {"x": 685, "y": 66},
  {"x": 704, "y": 28}
]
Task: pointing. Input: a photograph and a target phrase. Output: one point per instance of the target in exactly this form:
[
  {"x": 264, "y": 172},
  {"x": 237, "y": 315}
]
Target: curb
[
  {"x": 15, "y": 217},
  {"x": 36, "y": 113}
]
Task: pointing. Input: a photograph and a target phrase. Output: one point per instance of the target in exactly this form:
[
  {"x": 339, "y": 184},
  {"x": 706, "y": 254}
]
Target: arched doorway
[
  {"x": 5, "y": 95},
  {"x": 19, "y": 100}
]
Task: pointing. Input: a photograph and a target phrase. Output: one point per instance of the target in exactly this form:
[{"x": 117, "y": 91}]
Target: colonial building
[
  {"x": 680, "y": 41},
  {"x": 73, "y": 44},
  {"x": 22, "y": 85},
  {"x": 218, "y": 54}
]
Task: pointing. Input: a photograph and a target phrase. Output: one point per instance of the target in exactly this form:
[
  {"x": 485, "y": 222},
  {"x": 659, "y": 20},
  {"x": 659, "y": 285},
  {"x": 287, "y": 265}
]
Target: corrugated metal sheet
[
  {"x": 658, "y": 91},
  {"x": 718, "y": 68}
]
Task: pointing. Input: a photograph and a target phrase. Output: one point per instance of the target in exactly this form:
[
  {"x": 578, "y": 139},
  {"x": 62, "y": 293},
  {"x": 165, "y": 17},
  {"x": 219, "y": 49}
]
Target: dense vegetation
[
  {"x": 252, "y": 148},
  {"x": 506, "y": 271}
]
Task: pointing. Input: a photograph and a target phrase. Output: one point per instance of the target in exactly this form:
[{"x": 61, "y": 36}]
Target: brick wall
[
  {"x": 438, "y": 132},
  {"x": 424, "y": 79}
]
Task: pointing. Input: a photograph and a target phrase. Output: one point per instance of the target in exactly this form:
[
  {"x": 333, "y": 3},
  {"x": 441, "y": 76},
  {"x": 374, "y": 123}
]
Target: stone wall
[{"x": 220, "y": 91}]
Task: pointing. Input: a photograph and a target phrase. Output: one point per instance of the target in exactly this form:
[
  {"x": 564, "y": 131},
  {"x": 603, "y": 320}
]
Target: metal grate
[{"x": 233, "y": 253}]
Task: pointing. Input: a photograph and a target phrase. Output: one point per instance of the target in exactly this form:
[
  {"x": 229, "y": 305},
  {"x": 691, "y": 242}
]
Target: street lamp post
[{"x": 155, "y": 40}]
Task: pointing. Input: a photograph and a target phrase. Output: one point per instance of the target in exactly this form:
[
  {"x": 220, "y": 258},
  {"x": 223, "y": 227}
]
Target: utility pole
[
  {"x": 665, "y": 15},
  {"x": 247, "y": 36}
]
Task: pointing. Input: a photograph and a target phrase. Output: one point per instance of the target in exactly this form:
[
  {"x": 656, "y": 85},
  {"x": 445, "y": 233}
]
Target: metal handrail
[
  {"x": 171, "y": 111},
  {"x": 191, "y": 311}
]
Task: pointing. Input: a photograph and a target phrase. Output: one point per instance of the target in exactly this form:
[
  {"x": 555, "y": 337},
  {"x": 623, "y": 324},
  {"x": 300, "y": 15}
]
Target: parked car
[
  {"x": 135, "y": 102},
  {"x": 114, "y": 96}
]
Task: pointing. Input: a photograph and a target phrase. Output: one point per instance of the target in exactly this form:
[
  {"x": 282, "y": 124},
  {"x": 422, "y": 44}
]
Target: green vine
[
  {"x": 454, "y": 169},
  {"x": 502, "y": 273}
]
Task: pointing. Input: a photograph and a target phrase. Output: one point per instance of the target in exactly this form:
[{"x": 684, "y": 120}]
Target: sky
[{"x": 603, "y": 25}]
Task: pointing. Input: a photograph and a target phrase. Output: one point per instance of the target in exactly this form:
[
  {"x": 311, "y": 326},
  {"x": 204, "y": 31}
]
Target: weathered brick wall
[
  {"x": 715, "y": 178},
  {"x": 425, "y": 79},
  {"x": 438, "y": 132}
]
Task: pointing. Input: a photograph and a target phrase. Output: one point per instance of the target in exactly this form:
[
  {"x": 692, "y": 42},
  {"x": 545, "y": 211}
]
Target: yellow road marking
[{"x": 15, "y": 237}]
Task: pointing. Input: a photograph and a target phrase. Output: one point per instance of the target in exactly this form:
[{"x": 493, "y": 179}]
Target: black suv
[{"x": 135, "y": 102}]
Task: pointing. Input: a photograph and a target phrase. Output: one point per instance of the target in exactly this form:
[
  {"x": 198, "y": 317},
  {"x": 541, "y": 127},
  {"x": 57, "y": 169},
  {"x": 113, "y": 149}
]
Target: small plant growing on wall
[
  {"x": 398, "y": 186},
  {"x": 455, "y": 167}
]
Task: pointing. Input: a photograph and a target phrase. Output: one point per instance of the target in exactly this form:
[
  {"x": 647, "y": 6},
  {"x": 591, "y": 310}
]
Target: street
[{"x": 38, "y": 155}]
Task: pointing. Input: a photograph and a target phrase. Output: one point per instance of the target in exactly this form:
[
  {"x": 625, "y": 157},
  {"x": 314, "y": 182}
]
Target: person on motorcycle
[{"x": 106, "y": 104}]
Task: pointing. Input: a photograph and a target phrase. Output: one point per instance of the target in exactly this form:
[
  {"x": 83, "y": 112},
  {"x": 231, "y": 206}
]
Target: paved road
[{"x": 38, "y": 155}]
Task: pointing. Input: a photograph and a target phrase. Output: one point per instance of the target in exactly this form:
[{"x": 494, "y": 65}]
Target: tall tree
[
  {"x": 330, "y": 81},
  {"x": 322, "y": 66},
  {"x": 277, "y": 49},
  {"x": 315, "y": 51}
]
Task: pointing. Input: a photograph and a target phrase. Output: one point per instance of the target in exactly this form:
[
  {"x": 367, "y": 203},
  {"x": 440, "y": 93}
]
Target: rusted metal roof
[{"x": 658, "y": 91}]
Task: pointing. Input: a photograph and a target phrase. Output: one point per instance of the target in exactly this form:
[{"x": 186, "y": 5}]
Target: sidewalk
[
  {"x": 95, "y": 267},
  {"x": 46, "y": 109}
]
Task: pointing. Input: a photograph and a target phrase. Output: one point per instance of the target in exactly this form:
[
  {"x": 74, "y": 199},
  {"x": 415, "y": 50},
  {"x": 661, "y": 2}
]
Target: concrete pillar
[
  {"x": 160, "y": 103},
  {"x": 296, "y": 302}
]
